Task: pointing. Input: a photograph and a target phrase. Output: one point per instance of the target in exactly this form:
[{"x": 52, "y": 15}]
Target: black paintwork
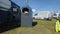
[{"x": 10, "y": 19}]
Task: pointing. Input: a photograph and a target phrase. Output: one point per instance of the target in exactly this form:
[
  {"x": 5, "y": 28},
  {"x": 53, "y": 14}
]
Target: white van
[{"x": 43, "y": 15}]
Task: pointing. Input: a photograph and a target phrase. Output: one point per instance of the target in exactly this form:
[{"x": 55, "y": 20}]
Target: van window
[{"x": 4, "y": 9}]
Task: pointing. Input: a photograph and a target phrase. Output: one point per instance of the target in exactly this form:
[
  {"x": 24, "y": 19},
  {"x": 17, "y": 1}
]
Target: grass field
[{"x": 42, "y": 27}]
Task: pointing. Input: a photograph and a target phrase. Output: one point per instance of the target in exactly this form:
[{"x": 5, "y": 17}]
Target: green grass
[{"x": 42, "y": 27}]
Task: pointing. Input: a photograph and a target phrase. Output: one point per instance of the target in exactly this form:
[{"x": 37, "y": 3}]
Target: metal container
[{"x": 26, "y": 16}]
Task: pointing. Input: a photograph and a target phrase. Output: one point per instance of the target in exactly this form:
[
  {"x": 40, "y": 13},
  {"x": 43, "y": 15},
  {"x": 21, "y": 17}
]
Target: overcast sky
[{"x": 37, "y": 5}]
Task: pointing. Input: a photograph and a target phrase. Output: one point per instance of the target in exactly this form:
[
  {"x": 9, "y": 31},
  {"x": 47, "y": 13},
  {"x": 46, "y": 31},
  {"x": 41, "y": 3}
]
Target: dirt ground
[{"x": 42, "y": 27}]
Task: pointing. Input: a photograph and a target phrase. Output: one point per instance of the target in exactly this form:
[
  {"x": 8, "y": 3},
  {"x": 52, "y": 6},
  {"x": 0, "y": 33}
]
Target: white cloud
[{"x": 33, "y": 10}]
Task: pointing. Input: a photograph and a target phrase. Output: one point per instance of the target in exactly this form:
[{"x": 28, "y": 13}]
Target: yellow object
[{"x": 57, "y": 26}]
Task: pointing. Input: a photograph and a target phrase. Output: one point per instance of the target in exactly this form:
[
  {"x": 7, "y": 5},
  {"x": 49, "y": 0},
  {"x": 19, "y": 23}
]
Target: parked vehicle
[
  {"x": 10, "y": 15},
  {"x": 9, "y": 11},
  {"x": 43, "y": 15},
  {"x": 56, "y": 15}
]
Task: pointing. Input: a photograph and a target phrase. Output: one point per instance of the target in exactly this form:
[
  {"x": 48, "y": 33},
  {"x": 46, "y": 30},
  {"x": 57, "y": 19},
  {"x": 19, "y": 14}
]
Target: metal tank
[{"x": 26, "y": 16}]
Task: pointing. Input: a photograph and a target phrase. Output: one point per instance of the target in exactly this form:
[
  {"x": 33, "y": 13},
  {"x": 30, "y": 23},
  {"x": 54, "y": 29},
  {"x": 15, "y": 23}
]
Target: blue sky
[{"x": 52, "y": 5}]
